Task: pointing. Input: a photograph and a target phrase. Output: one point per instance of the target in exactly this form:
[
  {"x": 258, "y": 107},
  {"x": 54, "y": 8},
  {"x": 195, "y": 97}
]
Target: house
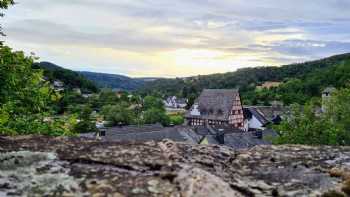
[
  {"x": 58, "y": 86},
  {"x": 326, "y": 96},
  {"x": 254, "y": 119},
  {"x": 58, "y": 83},
  {"x": 258, "y": 117},
  {"x": 217, "y": 107},
  {"x": 87, "y": 95},
  {"x": 269, "y": 85},
  {"x": 174, "y": 102}
]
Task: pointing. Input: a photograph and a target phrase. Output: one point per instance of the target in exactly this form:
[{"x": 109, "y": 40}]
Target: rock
[
  {"x": 44, "y": 166},
  {"x": 346, "y": 187},
  {"x": 199, "y": 183}
]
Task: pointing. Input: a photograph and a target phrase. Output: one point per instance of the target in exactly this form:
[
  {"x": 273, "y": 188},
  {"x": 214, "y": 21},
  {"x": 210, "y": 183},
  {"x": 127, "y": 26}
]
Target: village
[{"x": 217, "y": 117}]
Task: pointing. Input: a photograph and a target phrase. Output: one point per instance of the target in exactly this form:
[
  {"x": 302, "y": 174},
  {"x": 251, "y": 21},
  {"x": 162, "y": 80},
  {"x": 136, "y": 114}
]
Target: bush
[
  {"x": 85, "y": 127},
  {"x": 177, "y": 120}
]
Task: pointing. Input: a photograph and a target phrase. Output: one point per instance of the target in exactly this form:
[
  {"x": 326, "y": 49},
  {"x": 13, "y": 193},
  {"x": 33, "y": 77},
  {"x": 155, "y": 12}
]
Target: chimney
[
  {"x": 101, "y": 132},
  {"x": 220, "y": 136}
]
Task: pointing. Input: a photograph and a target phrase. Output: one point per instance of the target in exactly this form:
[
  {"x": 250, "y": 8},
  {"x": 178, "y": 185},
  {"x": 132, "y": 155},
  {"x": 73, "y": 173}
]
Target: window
[{"x": 220, "y": 112}]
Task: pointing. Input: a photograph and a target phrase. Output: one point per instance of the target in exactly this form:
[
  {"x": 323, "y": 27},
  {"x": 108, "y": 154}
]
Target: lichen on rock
[
  {"x": 83, "y": 167},
  {"x": 25, "y": 173}
]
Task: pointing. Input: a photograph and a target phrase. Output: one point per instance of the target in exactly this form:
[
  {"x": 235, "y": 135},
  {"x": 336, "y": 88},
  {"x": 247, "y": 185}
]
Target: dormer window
[{"x": 220, "y": 112}]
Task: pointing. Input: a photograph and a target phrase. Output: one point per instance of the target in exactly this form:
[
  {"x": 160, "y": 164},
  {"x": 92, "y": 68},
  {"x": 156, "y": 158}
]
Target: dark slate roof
[
  {"x": 238, "y": 139},
  {"x": 216, "y": 104},
  {"x": 180, "y": 134},
  {"x": 202, "y": 130},
  {"x": 135, "y": 129},
  {"x": 212, "y": 139},
  {"x": 270, "y": 133},
  {"x": 243, "y": 140},
  {"x": 88, "y": 135},
  {"x": 269, "y": 112},
  {"x": 258, "y": 115},
  {"x": 225, "y": 128},
  {"x": 181, "y": 101}
]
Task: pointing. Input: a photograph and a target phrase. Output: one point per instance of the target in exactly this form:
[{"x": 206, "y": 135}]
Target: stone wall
[{"x": 38, "y": 166}]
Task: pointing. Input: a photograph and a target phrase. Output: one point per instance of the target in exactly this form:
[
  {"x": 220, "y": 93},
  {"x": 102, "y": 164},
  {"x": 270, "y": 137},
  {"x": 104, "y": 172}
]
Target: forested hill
[
  {"x": 115, "y": 81},
  {"x": 301, "y": 81},
  {"x": 70, "y": 78}
]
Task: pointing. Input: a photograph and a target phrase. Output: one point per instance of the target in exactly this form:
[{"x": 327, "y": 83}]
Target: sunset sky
[{"x": 168, "y": 38}]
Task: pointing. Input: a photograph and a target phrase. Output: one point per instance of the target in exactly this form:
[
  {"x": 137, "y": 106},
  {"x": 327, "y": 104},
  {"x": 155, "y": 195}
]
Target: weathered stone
[{"x": 43, "y": 166}]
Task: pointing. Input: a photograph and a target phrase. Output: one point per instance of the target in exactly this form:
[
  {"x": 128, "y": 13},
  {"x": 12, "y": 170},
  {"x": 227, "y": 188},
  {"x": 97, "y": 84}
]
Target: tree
[
  {"x": 153, "y": 102},
  {"x": 4, "y": 4},
  {"x": 329, "y": 128},
  {"x": 118, "y": 114},
  {"x": 155, "y": 115},
  {"x": 25, "y": 99},
  {"x": 338, "y": 110},
  {"x": 108, "y": 97}
]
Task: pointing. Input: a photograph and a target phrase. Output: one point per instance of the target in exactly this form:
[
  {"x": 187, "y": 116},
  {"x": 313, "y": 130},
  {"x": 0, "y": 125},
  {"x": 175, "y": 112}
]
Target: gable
[{"x": 217, "y": 103}]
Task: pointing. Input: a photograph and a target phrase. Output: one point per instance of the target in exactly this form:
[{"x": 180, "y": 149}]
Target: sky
[{"x": 177, "y": 38}]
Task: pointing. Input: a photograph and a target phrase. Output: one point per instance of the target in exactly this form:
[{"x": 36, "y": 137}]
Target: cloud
[
  {"x": 178, "y": 38},
  {"x": 311, "y": 48}
]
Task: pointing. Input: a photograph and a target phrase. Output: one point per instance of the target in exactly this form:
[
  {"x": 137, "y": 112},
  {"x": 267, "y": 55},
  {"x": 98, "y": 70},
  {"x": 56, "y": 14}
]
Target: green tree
[
  {"x": 153, "y": 102},
  {"x": 156, "y": 115},
  {"x": 4, "y": 4},
  {"x": 85, "y": 125},
  {"x": 108, "y": 97},
  {"x": 329, "y": 128},
  {"x": 25, "y": 99},
  {"x": 118, "y": 114}
]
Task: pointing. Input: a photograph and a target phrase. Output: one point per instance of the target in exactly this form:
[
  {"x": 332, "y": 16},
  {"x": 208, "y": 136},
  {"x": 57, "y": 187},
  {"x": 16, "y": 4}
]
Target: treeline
[
  {"x": 113, "y": 81},
  {"x": 302, "y": 89},
  {"x": 302, "y": 81},
  {"x": 70, "y": 78}
]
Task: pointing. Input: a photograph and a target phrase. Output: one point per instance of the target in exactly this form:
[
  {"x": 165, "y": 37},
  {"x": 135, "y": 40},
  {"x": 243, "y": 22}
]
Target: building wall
[
  {"x": 195, "y": 111},
  {"x": 254, "y": 123},
  {"x": 236, "y": 118},
  {"x": 326, "y": 97}
]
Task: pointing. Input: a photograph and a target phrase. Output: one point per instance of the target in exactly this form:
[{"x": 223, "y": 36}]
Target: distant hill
[
  {"x": 113, "y": 81},
  {"x": 70, "y": 78},
  {"x": 301, "y": 81}
]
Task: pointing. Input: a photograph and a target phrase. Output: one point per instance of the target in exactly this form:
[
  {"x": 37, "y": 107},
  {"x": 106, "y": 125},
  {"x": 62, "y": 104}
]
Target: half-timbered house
[{"x": 217, "y": 107}]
